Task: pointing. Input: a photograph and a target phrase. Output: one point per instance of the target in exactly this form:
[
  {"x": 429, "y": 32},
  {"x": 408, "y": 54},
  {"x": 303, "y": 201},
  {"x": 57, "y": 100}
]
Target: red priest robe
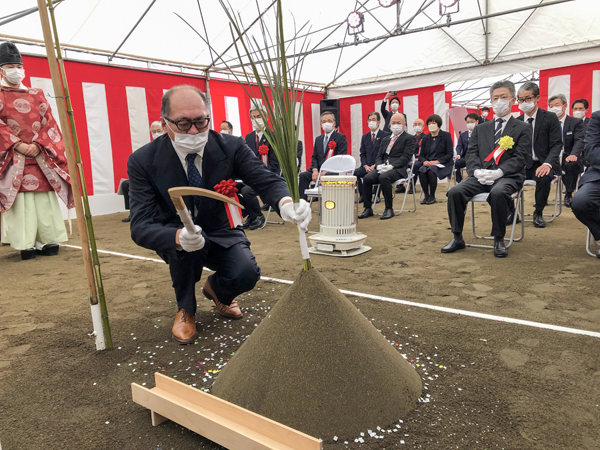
[{"x": 25, "y": 116}]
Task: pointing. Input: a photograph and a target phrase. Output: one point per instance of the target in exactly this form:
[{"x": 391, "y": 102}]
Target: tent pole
[
  {"x": 129, "y": 34},
  {"x": 65, "y": 112}
]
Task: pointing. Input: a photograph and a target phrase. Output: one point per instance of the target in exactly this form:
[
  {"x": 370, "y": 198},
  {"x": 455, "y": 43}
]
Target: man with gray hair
[
  {"x": 572, "y": 135},
  {"x": 543, "y": 158},
  {"x": 495, "y": 167}
]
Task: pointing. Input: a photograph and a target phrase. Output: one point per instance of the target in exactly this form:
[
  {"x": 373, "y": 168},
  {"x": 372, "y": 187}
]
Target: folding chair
[
  {"x": 588, "y": 244},
  {"x": 557, "y": 180},
  {"x": 483, "y": 198},
  {"x": 407, "y": 182},
  {"x": 338, "y": 164}
]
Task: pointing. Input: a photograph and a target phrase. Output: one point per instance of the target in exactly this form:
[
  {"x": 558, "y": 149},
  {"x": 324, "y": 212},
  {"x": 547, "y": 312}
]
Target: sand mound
[{"x": 316, "y": 364}]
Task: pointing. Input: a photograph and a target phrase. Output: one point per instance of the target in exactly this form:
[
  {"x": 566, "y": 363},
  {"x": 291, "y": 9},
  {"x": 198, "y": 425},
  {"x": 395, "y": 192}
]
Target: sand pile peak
[{"x": 316, "y": 364}]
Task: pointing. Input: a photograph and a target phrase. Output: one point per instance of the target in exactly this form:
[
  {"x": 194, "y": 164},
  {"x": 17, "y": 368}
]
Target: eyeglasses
[
  {"x": 525, "y": 100},
  {"x": 185, "y": 124}
]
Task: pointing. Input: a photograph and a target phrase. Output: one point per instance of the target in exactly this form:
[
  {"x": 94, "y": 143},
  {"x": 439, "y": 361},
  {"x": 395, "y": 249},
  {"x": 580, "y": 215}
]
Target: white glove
[
  {"x": 479, "y": 173},
  {"x": 494, "y": 175},
  {"x": 300, "y": 216},
  {"x": 191, "y": 242},
  {"x": 379, "y": 167},
  {"x": 384, "y": 168}
]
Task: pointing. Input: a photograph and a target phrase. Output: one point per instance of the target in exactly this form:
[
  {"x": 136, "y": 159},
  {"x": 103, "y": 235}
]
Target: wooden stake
[{"x": 222, "y": 422}]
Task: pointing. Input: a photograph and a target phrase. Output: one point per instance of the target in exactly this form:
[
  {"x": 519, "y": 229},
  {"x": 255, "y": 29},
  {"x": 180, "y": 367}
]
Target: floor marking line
[{"x": 460, "y": 312}]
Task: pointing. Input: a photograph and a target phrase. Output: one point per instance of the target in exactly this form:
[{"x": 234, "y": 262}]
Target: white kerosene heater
[{"x": 338, "y": 236}]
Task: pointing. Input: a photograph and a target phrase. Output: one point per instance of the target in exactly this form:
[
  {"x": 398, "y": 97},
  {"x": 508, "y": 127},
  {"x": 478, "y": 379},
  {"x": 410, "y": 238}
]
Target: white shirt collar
[
  {"x": 260, "y": 135},
  {"x": 505, "y": 118},
  {"x": 4, "y": 83},
  {"x": 527, "y": 116},
  {"x": 329, "y": 134},
  {"x": 183, "y": 155}
]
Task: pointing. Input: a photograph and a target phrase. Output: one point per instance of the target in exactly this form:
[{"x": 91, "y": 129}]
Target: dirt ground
[{"x": 489, "y": 384}]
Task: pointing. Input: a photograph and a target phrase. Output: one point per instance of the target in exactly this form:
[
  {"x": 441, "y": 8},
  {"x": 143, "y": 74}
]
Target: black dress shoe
[
  {"x": 500, "y": 250},
  {"x": 424, "y": 201},
  {"x": 257, "y": 223},
  {"x": 360, "y": 199},
  {"x": 410, "y": 190},
  {"x": 509, "y": 219},
  {"x": 568, "y": 199},
  {"x": 598, "y": 253},
  {"x": 246, "y": 223},
  {"x": 28, "y": 254},
  {"x": 387, "y": 214},
  {"x": 430, "y": 201},
  {"x": 265, "y": 207},
  {"x": 368, "y": 212},
  {"x": 126, "y": 219},
  {"x": 400, "y": 189},
  {"x": 453, "y": 245},
  {"x": 538, "y": 221},
  {"x": 49, "y": 250}
]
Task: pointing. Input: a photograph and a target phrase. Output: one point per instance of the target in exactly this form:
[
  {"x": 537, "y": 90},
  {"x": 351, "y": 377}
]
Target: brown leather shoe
[
  {"x": 184, "y": 327},
  {"x": 232, "y": 311}
]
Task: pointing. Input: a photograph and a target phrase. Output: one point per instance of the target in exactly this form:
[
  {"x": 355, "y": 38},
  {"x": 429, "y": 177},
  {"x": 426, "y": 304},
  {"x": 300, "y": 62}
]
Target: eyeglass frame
[
  {"x": 528, "y": 99},
  {"x": 192, "y": 122}
]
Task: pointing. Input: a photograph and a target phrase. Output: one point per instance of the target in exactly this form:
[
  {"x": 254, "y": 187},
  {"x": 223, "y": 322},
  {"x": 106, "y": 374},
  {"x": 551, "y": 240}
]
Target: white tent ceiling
[{"x": 551, "y": 36}]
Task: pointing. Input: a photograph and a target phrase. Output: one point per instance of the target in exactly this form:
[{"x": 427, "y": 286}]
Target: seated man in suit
[
  {"x": 192, "y": 155},
  {"x": 395, "y": 154},
  {"x": 586, "y": 202},
  {"x": 369, "y": 148},
  {"x": 493, "y": 166},
  {"x": 463, "y": 143},
  {"x": 329, "y": 144},
  {"x": 572, "y": 136},
  {"x": 257, "y": 142},
  {"x": 543, "y": 158},
  {"x": 580, "y": 108},
  {"x": 226, "y": 127}
]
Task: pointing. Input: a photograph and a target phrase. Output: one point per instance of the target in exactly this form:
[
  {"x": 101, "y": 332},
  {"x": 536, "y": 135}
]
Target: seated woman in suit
[{"x": 435, "y": 160}]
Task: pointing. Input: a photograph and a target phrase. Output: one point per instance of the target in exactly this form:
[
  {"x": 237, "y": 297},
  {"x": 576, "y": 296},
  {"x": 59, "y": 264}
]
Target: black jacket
[
  {"x": 251, "y": 142},
  {"x": 444, "y": 148},
  {"x": 155, "y": 168},
  {"x": 547, "y": 139},
  {"x": 318, "y": 156},
  {"x": 592, "y": 150},
  {"x": 369, "y": 149},
  {"x": 573, "y": 137},
  {"x": 513, "y": 161},
  {"x": 400, "y": 154}
]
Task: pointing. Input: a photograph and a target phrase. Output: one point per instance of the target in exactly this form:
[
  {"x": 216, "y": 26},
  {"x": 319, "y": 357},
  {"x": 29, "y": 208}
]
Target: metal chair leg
[{"x": 588, "y": 244}]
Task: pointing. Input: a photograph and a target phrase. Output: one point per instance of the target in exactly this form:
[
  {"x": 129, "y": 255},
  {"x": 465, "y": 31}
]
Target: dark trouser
[
  {"x": 250, "y": 202},
  {"x": 460, "y": 164},
  {"x": 360, "y": 173},
  {"x": 125, "y": 189},
  {"x": 572, "y": 169},
  {"x": 385, "y": 180},
  {"x": 586, "y": 207},
  {"x": 235, "y": 269},
  {"x": 429, "y": 183},
  {"x": 304, "y": 180},
  {"x": 542, "y": 187},
  {"x": 499, "y": 200}
]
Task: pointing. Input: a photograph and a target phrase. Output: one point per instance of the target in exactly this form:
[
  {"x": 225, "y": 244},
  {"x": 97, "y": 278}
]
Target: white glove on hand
[
  {"x": 494, "y": 175},
  {"x": 300, "y": 216},
  {"x": 379, "y": 167},
  {"x": 191, "y": 242},
  {"x": 383, "y": 168},
  {"x": 479, "y": 173}
]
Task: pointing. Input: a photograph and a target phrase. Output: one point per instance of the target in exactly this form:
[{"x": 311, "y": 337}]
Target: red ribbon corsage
[
  {"x": 332, "y": 145},
  {"x": 263, "y": 150},
  {"x": 228, "y": 189}
]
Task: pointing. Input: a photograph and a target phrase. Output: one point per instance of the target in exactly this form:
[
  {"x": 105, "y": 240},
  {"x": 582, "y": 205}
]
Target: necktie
[
  {"x": 194, "y": 177},
  {"x": 325, "y": 142},
  {"x": 498, "y": 133},
  {"x": 372, "y": 138},
  {"x": 529, "y": 164},
  {"x": 389, "y": 149},
  {"x": 257, "y": 141}
]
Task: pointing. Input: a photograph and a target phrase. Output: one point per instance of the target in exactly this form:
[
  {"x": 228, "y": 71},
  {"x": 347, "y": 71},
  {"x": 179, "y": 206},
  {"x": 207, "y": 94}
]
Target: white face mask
[
  {"x": 433, "y": 127},
  {"x": 579, "y": 114},
  {"x": 484, "y": 114},
  {"x": 527, "y": 107},
  {"x": 558, "y": 110},
  {"x": 501, "y": 107},
  {"x": 327, "y": 127},
  {"x": 397, "y": 129},
  {"x": 189, "y": 143},
  {"x": 156, "y": 134},
  {"x": 471, "y": 126},
  {"x": 14, "y": 76},
  {"x": 395, "y": 107},
  {"x": 418, "y": 129},
  {"x": 258, "y": 124},
  {"x": 373, "y": 125},
  {"x": 224, "y": 131}
]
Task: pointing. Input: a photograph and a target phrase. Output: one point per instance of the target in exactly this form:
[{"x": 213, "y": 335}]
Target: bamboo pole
[{"x": 86, "y": 229}]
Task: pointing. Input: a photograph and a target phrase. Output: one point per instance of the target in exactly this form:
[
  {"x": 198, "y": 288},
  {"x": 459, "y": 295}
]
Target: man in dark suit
[
  {"x": 543, "y": 159},
  {"x": 586, "y": 202},
  {"x": 472, "y": 120},
  {"x": 490, "y": 168},
  {"x": 369, "y": 148},
  {"x": 329, "y": 144},
  {"x": 580, "y": 108},
  {"x": 394, "y": 106},
  {"x": 395, "y": 153},
  {"x": 257, "y": 140},
  {"x": 572, "y": 135},
  {"x": 485, "y": 111},
  {"x": 191, "y": 155}
]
